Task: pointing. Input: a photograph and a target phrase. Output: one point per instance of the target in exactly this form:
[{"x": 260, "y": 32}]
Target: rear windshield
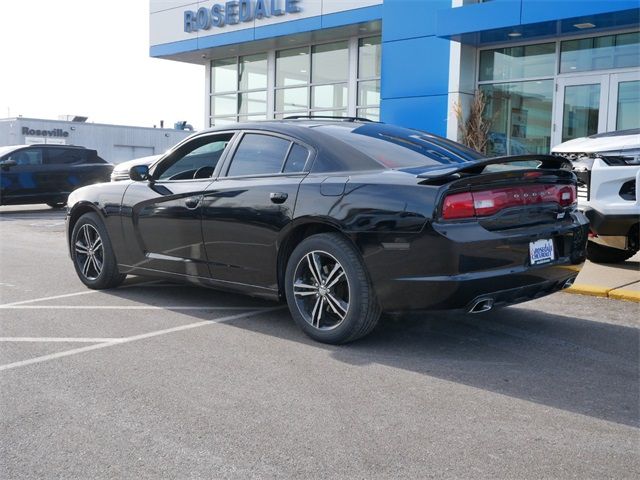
[{"x": 397, "y": 147}]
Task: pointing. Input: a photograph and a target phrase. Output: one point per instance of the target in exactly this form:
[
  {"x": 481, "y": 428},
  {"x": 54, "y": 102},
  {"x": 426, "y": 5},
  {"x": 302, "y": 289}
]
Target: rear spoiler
[{"x": 477, "y": 167}]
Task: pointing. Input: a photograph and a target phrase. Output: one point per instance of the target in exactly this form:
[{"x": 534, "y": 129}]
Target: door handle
[
  {"x": 192, "y": 202},
  {"x": 278, "y": 197}
]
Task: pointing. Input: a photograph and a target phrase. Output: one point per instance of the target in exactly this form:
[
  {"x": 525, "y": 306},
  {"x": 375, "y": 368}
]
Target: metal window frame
[{"x": 352, "y": 82}]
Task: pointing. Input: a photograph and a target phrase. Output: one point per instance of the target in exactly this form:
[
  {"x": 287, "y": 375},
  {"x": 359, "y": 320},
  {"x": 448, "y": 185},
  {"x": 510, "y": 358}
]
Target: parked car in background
[
  {"x": 342, "y": 218},
  {"x": 121, "y": 170},
  {"x": 608, "y": 169},
  {"x": 47, "y": 173}
]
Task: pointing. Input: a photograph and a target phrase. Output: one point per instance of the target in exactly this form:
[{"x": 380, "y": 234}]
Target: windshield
[
  {"x": 9, "y": 149},
  {"x": 397, "y": 147}
]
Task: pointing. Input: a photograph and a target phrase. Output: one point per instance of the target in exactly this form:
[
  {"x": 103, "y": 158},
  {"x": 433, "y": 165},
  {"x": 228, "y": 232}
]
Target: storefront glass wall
[
  {"x": 524, "y": 83},
  {"x": 308, "y": 80}
]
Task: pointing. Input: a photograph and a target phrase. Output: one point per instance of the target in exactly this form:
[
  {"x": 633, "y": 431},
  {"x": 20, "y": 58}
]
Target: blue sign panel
[{"x": 237, "y": 11}]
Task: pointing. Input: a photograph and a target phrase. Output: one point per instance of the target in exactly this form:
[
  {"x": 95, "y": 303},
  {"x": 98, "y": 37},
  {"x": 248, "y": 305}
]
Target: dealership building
[
  {"x": 550, "y": 70},
  {"x": 114, "y": 143}
]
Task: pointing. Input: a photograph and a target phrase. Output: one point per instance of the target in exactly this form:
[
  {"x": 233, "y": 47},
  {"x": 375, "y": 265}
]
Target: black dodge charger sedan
[
  {"x": 344, "y": 219},
  {"x": 48, "y": 173}
]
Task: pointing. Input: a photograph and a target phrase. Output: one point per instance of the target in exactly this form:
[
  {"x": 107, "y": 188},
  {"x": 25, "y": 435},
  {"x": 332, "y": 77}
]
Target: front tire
[
  {"x": 601, "y": 254},
  {"x": 328, "y": 290},
  {"x": 92, "y": 254}
]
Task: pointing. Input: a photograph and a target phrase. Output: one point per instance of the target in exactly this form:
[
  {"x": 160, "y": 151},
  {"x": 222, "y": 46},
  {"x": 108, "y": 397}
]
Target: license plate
[{"x": 541, "y": 251}]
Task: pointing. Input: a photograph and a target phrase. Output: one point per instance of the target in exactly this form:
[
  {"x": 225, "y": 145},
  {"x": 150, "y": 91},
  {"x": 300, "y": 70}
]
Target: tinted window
[
  {"x": 63, "y": 156},
  {"x": 296, "y": 160},
  {"x": 196, "y": 159},
  {"x": 30, "y": 156},
  {"x": 259, "y": 155},
  {"x": 397, "y": 147}
]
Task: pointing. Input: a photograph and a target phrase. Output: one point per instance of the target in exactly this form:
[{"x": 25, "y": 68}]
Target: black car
[
  {"x": 343, "y": 219},
  {"x": 48, "y": 173}
]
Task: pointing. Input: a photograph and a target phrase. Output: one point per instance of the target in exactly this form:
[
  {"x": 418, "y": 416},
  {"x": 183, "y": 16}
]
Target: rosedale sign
[{"x": 237, "y": 11}]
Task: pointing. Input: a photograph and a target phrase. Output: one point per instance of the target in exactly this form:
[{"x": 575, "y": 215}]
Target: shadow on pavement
[{"x": 564, "y": 362}]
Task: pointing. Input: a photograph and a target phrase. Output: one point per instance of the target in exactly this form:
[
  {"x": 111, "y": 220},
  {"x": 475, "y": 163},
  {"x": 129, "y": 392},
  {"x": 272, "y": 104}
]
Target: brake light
[{"x": 489, "y": 202}]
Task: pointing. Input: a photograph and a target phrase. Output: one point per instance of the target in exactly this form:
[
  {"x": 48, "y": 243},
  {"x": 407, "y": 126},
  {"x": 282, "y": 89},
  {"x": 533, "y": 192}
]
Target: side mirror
[
  {"x": 139, "y": 173},
  {"x": 7, "y": 164}
]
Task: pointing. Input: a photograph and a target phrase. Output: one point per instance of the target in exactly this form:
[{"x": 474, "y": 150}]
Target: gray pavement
[{"x": 154, "y": 380}]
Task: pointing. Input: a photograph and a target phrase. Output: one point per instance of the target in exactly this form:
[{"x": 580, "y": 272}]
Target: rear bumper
[
  {"x": 610, "y": 225},
  {"x": 451, "y": 266},
  {"x": 462, "y": 292}
]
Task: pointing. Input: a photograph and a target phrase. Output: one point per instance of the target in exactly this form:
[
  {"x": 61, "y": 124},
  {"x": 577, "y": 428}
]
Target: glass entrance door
[
  {"x": 624, "y": 101},
  {"x": 590, "y": 104}
]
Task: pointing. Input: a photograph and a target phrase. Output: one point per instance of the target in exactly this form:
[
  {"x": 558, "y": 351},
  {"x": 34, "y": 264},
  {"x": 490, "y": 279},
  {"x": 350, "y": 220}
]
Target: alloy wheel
[
  {"x": 321, "y": 290},
  {"x": 89, "y": 252}
]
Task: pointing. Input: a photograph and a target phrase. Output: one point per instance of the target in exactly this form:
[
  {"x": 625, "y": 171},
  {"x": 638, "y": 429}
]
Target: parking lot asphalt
[{"x": 153, "y": 380}]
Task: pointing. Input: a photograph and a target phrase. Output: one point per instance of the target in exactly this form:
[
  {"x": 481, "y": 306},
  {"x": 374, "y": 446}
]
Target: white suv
[{"x": 608, "y": 169}]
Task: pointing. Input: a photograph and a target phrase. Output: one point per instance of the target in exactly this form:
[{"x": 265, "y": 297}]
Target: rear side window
[
  {"x": 63, "y": 156},
  {"x": 259, "y": 155},
  {"x": 296, "y": 160}
]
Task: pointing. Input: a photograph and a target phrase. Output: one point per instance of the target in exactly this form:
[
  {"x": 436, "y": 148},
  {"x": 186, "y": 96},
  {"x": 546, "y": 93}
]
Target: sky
[{"x": 91, "y": 58}]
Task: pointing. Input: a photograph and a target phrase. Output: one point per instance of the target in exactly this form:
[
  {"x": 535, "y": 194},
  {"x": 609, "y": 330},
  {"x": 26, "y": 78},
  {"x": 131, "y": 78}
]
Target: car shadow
[{"x": 561, "y": 361}]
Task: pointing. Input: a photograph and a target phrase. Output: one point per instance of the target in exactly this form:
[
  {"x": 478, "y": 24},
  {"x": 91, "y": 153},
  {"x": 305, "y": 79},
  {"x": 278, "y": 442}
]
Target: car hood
[{"x": 612, "y": 142}]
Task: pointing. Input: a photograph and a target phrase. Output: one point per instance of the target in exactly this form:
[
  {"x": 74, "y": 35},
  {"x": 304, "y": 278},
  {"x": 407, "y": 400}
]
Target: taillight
[{"x": 489, "y": 202}]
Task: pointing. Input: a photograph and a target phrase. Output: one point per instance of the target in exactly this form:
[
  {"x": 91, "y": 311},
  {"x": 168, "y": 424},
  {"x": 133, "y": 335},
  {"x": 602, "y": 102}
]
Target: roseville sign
[{"x": 56, "y": 132}]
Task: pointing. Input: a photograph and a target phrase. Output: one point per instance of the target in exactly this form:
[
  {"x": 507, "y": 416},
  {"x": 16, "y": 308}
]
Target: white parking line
[
  {"x": 134, "y": 338},
  {"x": 118, "y": 307},
  {"x": 58, "y": 339},
  {"x": 54, "y": 297}
]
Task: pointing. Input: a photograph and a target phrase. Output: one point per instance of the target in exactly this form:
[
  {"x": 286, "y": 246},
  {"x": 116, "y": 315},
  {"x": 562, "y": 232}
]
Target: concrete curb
[{"x": 597, "y": 291}]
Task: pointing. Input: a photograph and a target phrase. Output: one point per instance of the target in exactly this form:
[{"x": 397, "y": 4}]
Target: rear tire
[
  {"x": 600, "y": 254},
  {"x": 92, "y": 254},
  {"x": 328, "y": 290}
]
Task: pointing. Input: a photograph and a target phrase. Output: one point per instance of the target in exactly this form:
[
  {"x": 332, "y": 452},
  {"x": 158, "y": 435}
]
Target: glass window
[
  {"x": 370, "y": 113},
  {"x": 628, "y": 115},
  {"x": 330, "y": 63},
  {"x": 259, "y": 155},
  {"x": 329, "y": 96},
  {"x": 292, "y": 99},
  {"x": 224, "y": 104},
  {"x": 296, "y": 160},
  {"x": 224, "y": 75},
  {"x": 520, "y": 116},
  {"x": 62, "y": 156},
  {"x": 397, "y": 147},
  {"x": 292, "y": 67},
  {"x": 253, "y": 72},
  {"x": 369, "y": 57},
  {"x": 253, "y": 102},
  {"x": 30, "y": 156},
  {"x": 526, "y": 61},
  {"x": 196, "y": 159},
  {"x": 580, "y": 111},
  {"x": 369, "y": 93},
  {"x": 597, "y": 53},
  {"x": 220, "y": 121}
]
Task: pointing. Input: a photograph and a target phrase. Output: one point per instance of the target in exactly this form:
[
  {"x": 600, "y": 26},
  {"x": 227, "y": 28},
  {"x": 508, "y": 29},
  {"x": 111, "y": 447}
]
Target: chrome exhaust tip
[
  {"x": 482, "y": 305},
  {"x": 568, "y": 283}
]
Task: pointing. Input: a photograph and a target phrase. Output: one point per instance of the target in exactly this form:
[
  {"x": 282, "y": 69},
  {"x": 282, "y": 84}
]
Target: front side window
[
  {"x": 30, "y": 156},
  {"x": 194, "y": 160},
  {"x": 259, "y": 154}
]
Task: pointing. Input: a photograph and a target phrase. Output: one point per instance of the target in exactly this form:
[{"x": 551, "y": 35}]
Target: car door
[
  {"x": 59, "y": 169},
  {"x": 162, "y": 216},
  {"x": 245, "y": 209},
  {"x": 21, "y": 176}
]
